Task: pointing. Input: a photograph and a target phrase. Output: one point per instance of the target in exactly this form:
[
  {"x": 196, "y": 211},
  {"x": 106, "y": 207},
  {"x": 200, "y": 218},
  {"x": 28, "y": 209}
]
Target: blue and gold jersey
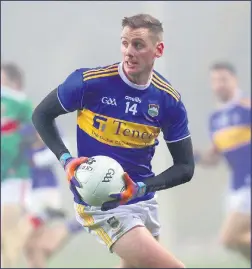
[
  {"x": 230, "y": 129},
  {"x": 122, "y": 120}
]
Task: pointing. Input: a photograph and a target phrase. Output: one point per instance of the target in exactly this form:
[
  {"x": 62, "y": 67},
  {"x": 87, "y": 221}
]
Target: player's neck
[
  {"x": 234, "y": 94},
  {"x": 10, "y": 85},
  {"x": 141, "y": 79}
]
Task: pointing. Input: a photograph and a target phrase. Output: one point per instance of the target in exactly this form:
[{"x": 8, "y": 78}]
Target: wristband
[
  {"x": 141, "y": 189},
  {"x": 63, "y": 159}
]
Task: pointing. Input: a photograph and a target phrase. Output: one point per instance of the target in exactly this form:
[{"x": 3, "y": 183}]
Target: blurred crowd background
[{"x": 49, "y": 40}]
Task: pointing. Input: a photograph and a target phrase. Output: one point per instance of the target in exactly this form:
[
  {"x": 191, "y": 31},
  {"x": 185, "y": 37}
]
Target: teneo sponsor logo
[
  {"x": 133, "y": 99},
  {"x": 120, "y": 128}
]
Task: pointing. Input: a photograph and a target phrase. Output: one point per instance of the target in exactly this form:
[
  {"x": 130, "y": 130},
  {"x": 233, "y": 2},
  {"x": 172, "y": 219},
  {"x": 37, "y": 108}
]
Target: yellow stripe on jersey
[
  {"x": 166, "y": 89},
  {"x": 101, "y": 69},
  {"x": 101, "y": 75},
  {"x": 232, "y": 137},
  {"x": 96, "y": 72},
  {"x": 90, "y": 223},
  {"x": 102, "y": 72},
  {"x": 116, "y": 132},
  {"x": 160, "y": 81}
]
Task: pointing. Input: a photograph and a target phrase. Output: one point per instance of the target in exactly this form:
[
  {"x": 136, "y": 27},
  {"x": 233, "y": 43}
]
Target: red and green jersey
[{"x": 16, "y": 110}]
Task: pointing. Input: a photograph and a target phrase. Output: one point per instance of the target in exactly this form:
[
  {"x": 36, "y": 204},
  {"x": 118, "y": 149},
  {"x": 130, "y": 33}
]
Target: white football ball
[{"x": 99, "y": 177}]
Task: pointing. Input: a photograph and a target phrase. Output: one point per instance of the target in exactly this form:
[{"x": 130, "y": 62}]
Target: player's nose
[{"x": 129, "y": 51}]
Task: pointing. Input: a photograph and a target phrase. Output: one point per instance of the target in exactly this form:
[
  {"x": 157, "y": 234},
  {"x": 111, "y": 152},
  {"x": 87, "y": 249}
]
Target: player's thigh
[
  {"x": 53, "y": 238},
  {"x": 125, "y": 264},
  {"x": 140, "y": 249},
  {"x": 238, "y": 217},
  {"x": 235, "y": 224}
]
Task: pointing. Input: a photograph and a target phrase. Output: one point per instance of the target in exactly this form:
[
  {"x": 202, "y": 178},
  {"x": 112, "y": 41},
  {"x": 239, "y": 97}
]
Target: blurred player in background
[
  {"x": 50, "y": 240},
  {"x": 135, "y": 103},
  {"x": 44, "y": 200},
  {"x": 44, "y": 205},
  {"x": 16, "y": 111},
  {"x": 230, "y": 131}
]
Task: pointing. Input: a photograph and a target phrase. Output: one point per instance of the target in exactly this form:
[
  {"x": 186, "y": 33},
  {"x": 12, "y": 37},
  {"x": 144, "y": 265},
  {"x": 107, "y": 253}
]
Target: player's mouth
[{"x": 131, "y": 64}]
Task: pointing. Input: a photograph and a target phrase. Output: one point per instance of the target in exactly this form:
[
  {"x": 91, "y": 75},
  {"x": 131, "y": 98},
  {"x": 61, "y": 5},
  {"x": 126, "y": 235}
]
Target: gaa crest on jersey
[{"x": 153, "y": 110}]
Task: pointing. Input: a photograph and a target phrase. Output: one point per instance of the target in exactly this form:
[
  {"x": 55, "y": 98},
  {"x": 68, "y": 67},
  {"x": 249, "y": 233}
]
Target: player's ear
[{"x": 159, "y": 49}]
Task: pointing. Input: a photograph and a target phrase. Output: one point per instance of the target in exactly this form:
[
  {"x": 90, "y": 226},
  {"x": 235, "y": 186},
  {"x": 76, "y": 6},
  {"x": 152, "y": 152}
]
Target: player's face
[
  {"x": 139, "y": 50},
  {"x": 223, "y": 84},
  {"x": 5, "y": 81}
]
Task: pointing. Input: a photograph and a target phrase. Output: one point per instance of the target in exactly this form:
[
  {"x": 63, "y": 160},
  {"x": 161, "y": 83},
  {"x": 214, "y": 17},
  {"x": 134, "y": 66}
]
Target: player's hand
[
  {"x": 70, "y": 166},
  {"x": 132, "y": 190}
]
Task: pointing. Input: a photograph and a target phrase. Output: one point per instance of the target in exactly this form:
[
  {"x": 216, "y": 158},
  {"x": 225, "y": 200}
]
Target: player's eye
[
  {"x": 138, "y": 45},
  {"x": 125, "y": 44}
]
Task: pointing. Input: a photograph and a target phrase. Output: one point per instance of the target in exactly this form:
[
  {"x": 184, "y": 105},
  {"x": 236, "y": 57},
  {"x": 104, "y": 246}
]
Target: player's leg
[
  {"x": 152, "y": 225},
  {"x": 123, "y": 231},
  {"x": 9, "y": 217},
  {"x": 124, "y": 264},
  {"x": 35, "y": 257},
  {"x": 41, "y": 200},
  {"x": 14, "y": 223},
  {"x": 54, "y": 238},
  {"x": 236, "y": 233},
  {"x": 139, "y": 248},
  {"x": 49, "y": 241},
  {"x": 236, "y": 230}
]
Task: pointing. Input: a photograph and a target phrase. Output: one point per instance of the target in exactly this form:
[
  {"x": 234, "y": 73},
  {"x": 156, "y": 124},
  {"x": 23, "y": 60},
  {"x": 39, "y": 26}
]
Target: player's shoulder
[
  {"x": 245, "y": 102},
  {"x": 163, "y": 85},
  {"x": 100, "y": 72}
]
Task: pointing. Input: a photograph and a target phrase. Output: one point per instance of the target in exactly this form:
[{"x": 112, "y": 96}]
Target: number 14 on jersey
[{"x": 131, "y": 108}]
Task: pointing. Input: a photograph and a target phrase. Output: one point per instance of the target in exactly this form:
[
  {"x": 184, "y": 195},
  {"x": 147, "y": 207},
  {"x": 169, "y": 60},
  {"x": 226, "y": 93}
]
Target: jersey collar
[{"x": 128, "y": 82}]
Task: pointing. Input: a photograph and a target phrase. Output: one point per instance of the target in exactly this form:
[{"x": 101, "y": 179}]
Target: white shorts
[
  {"x": 239, "y": 200},
  {"x": 109, "y": 226},
  {"x": 40, "y": 199},
  {"x": 15, "y": 191}
]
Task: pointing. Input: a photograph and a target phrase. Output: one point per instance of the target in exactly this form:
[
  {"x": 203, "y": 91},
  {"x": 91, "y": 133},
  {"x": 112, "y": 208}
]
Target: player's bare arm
[{"x": 210, "y": 157}]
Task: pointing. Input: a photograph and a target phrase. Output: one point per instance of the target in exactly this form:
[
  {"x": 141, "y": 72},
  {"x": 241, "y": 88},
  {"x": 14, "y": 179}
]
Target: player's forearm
[
  {"x": 181, "y": 172},
  {"x": 43, "y": 119},
  {"x": 208, "y": 158}
]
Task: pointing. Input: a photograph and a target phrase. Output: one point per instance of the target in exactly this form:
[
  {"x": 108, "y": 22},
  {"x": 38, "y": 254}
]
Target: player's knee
[{"x": 228, "y": 241}]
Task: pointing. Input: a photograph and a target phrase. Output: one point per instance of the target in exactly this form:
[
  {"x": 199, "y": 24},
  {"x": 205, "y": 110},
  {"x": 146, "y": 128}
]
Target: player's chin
[{"x": 133, "y": 70}]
